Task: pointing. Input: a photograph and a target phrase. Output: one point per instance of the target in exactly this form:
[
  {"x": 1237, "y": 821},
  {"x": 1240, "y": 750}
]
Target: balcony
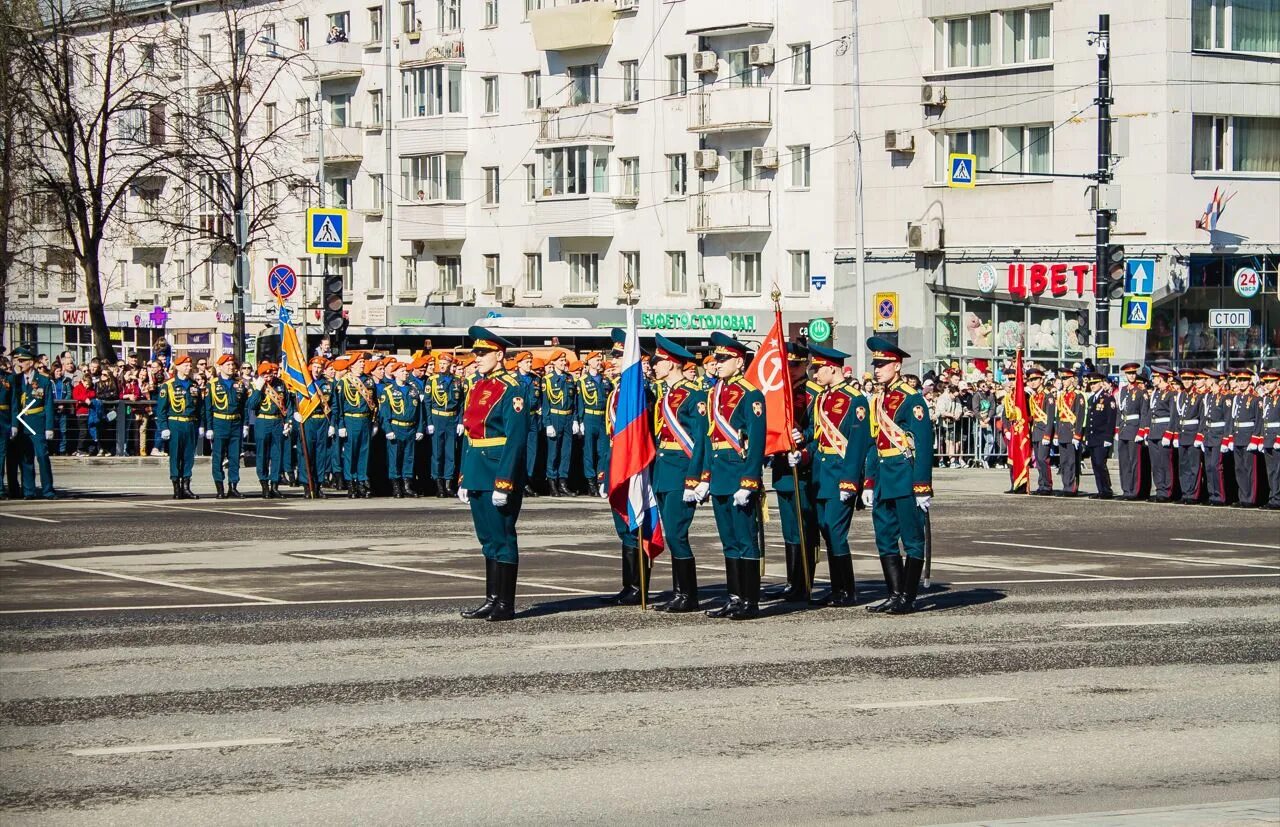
[
  {"x": 416, "y": 221},
  {"x": 342, "y": 145},
  {"x": 432, "y": 134},
  {"x": 572, "y": 124},
  {"x": 416, "y": 49},
  {"x": 355, "y": 225},
  {"x": 566, "y": 26},
  {"x": 716, "y": 17},
  {"x": 338, "y": 61},
  {"x": 575, "y": 217},
  {"x": 730, "y": 212},
  {"x": 728, "y": 110}
]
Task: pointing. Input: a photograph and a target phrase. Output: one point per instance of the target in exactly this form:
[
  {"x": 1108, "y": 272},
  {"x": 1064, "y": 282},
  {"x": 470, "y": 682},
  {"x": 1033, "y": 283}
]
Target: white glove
[
  {"x": 1106, "y": 445},
  {"x": 796, "y": 436},
  {"x": 208, "y": 435},
  {"x": 111, "y": 416},
  {"x": 499, "y": 498},
  {"x": 1075, "y": 443},
  {"x": 1253, "y": 447},
  {"x": 463, "y": 496},
  {"x": 342, "y": 432},
  {"x": 199, "y": 432},
  {"x": 604, "y": 492},
  {"x": 288, "y": 426},
  {"x": 1177, "y": 443},
  {"x": 868, "y": 497},
  {"x": 690, "y": 496},
  {"x": 923, "y": 501},
  {"x": 374, "y": 431},
  {"x": 551, "y": 431},
  {"x": 431, "y": 429},
  {"x": 244, "y": 432},
  {"x": 1139, "y": 439},
  {"x": 417, "y": 437},
  {"x": 741, "y": 497},
  {"x": 13, "y": 433},
  {"x": 297, "y": 416},
  {"x": 460, "y": 429},
  {"x": 1165, "y": 441},
  {"x": 845, "y": 496},
  {"x": 163, "y": 434},
  {"x": 49, "y": 435},
  {"x": 701, "y": 490},
  {"x": 258, "y": 383},
  {"x": 1224, "y": 448},
  {"x": 577, "y": 429},
  {"x": 333, "y": 431},
  {"x": 391, "y": 436},
  {"x": 793, "y": 458}
]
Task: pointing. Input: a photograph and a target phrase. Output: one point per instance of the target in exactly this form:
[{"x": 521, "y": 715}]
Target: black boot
[
  {"x": 234, "y": 492},
  {"x": 733, "y": 582},
  {"x": 798, "y": 587},
  {"x": 844, "y": 596},
  {"x": 411, "y": 489},
  {"x": 366, "y": 490},
  {"x": 221, "y": 491},
  {"x": 593, "y": 488},
  {"x": 891, "y": 565},
  {"x": 911, "y": 572},
  {"x": 749, "y": 579},
  {"x": 352, "y": 489},
  {"x": 529, "y": 490},
  {"x": 442, "y": 490},
  {"x": 630, "y": 593},
  {"x": 275, "y": 491},
  {"x": 186, "y": 489},
  {"x": 266, "y": 489},
  {"x": 177, "y": 489},
  {"x": 504, "y": 608},
  {"x": 397, "y": 489},
  {"x": 490, "y": 591},
  {"x": 685, "y": 574},
  {"x": 293, "y": 478}
]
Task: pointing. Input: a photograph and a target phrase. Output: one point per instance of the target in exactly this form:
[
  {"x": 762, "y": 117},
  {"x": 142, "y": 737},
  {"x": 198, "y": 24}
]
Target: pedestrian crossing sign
[
  {"x": 962, "y": 170},
  {"x": 1136, "y": 313},
  {"x": 327, "y": 231}
]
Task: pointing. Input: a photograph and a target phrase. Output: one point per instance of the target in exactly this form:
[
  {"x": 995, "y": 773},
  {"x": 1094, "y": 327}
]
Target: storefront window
[
  {"x": 948, "y": 325},
  {"x": 1044, "y": 340},
  {"x": 1180, "y": 328},
  {"x": 978, "y": 328}
]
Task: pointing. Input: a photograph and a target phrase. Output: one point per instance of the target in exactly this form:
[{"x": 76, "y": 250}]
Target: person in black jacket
[{"x": 1100, "y": 432}]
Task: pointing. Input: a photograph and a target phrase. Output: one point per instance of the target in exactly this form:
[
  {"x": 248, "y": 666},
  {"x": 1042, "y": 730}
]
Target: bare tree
[
  {"x": 16, "y": 202},
  {"x": 99, "y": 108}
]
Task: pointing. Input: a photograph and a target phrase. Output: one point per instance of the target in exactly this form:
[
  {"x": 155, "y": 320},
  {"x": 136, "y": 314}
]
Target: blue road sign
[
  {"x": 1140, "y": 276},
  {"x": 282, "y": 281},
  {"x": 327, "y": 231},
  {"x": 1136, "y": 313},
  {"x": 961, "y": 170}
]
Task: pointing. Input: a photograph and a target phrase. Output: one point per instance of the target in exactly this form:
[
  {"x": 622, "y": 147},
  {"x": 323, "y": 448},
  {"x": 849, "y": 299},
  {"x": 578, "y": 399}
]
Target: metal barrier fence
[
  {"x": 124, "y": 428},
  {"x": 968, "y": 442}
]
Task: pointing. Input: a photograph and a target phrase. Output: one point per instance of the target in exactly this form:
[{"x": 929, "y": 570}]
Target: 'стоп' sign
[{"x": 1027, "y": 280}]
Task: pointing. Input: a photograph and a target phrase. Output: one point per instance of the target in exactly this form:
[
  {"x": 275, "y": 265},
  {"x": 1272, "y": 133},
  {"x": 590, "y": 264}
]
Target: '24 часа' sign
[
  {"x": 1030, "y": 280},
  {"x": 744, "y": 323}
]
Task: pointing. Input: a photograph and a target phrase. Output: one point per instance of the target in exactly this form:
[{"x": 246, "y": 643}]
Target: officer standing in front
[
  {"x": 1043, "y": 414},
  {"x": 225, "y": 427},
  {"x": 178, "y": 421},
  {"x": 899, "y": 478},
  {"x": 1100, "y": 431},
  {"x": 400, "y": 411},
  {"x": 801, "y": 547},
  {"x": 495, "y": 426},
  {"x": 1134, "y": 414},
  {"x": 1070, "y": 409},
  {"x": 269, "y": 402},
  {"x": 32, "y": 424},
  {"x": 731, "y": 462}
]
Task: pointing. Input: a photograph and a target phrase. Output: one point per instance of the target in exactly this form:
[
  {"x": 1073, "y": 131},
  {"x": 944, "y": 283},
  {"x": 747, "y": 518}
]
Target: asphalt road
[{"x": 301, "y": 662}]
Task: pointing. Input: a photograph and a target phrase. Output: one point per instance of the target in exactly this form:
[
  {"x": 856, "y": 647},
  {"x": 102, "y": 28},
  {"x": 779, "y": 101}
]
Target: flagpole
[
  {"x": 795, "y": 472},
  {"x": 642, "y": 558}
]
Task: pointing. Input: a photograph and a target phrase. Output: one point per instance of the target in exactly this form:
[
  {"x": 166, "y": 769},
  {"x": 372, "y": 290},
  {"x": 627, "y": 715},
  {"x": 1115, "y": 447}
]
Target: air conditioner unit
[
  {"x": 705, "y": 62},
  {"x": 899, "y": 140},
  {"x": 504, "y": 294},
  {"x": 760, "y": 55},
  {"x": 465, "y": 294},
  {"x": 933, "y": 94},
  {"x": 765, "y": 157},
  {"x": 709, "y": 293},
  {"x": 924, "y": 236},
  {"x": 706, "y": 160}
]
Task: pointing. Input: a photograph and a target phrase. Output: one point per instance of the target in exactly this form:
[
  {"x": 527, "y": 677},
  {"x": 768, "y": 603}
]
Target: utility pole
[{"x": 1103, "y": 217}]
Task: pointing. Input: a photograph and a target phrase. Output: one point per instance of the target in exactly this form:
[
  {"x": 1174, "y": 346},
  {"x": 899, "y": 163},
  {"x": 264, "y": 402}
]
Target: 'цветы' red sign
[{"x": 1027, "y": 280}]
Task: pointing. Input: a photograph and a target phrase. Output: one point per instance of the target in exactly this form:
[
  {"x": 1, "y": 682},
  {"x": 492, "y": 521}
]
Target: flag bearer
[
  {"x": 179, "y": 421},
  {"x": 225, "y": 427},
  {"x": 400, "y": 411},
  {"x": 314, "y": 423},
  {"x": 800, "y": 550},
  {"x": 270, "y": 405}
]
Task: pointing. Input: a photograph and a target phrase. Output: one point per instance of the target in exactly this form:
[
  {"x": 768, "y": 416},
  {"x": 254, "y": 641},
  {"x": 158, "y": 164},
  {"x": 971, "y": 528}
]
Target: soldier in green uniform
[
  {"x": 899, "y": 477},
  {"x": 593, "y": 391},
  {"x": 731, "y": 461},
  {"x": 801, "y": 548},
  {"x": 445, "y": 397},
  {"x": 6, "y": 423},
  {"x": 224, "y": 427},
  {"x": 356, "y": 405},
  {"x": 313, "y": 421},
  {"x": 840, "y": 438},
  {"x": 400, "y": 411},
  {"x": 531, "y": 384},
  {"x": 269, "y": 402},
  {"x": 178, "y": 418},
  {"x": 31, "y": 425},
  {"x": 559, "y": 400},
  {"x": 495, "y": 425}
]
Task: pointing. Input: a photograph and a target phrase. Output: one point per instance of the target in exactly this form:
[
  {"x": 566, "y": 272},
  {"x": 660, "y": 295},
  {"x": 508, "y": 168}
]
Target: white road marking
[
  {"x": 437, "y": 572},
  {"x": 549, "y": 647},
  {"x": 463, "y": 598},
  {"x": 12, "y": 670},
  {"x": 1222, "y": 543},
  {"x": 152, "y": 582},
  {"x": 1105, "y": 624},
  {"x": 28, "y": 517},
  {"x": 1139, "y": 554},
  {"x": 1112, "y": 579},
  {"x": 660, "y": 561},
  {"x": 951, "y": 562},
  {"x": 211, "y": 510},
  {"x": 239, "y": 742},
  {"x": 934, "y": 702}
]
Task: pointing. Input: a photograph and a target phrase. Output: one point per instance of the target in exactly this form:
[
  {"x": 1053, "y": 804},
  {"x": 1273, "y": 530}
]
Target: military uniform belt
[
  {"x": 232, "y": 417},
  {"x": 1161, "y": 419},
  {"x": 181, "y": 419},
  {"x": 268, "y": 416},
  {"x": 1132, "y": 416},
  {"x": 356, "y": 415},
  {"x": 671, "y": 446},
  {"x": 828, "y": 449},
  {"x": 1222, "y": 424},
  {"x": 438, "y": 412},
  {"x": 594, "y": 411},
  {"x": 721, "y": 445},
  {"x": 1271, "y": 424},
  {"x": 1190, "y": 422},
  {"x": 561, "y": 412},
  {"x": 403, "y": 423},
  {"x": 35, "y": 410},
  {"x": 889, "y": 452},
  {"x": 488, "y": 442},
  {"x": 4, "y": 407}
]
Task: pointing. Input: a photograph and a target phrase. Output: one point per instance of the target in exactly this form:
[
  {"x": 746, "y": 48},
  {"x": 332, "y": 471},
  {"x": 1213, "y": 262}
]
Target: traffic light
[
  {"x": 335, "y": 319},
  {"x": 1112, "y": 280},
  {"x": 1083, "y": 334}
]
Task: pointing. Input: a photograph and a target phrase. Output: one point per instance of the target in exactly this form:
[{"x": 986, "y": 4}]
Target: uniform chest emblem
[
  {"x": 702, "y": 409},
  {"x": 757, "y": 408},
  {"x": 517, "y": 404},
  {"x": 918, "y": 412},
  {"x": 862, "y": 414}
]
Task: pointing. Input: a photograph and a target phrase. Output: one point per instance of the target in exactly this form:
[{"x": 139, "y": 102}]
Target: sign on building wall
[{"x": 1058, "y": 279}]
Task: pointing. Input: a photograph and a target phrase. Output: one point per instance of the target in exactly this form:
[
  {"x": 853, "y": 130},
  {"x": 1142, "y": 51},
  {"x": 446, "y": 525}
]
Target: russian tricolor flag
[{"x": 630, "y": 487}]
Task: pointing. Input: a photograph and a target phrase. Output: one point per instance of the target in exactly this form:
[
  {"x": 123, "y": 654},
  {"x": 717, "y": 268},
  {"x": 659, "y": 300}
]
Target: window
[
  {"x": 409, "y": 276},
  {"x": 149, "y": 202},
  {"x": 303, "y": 115},
  {"x": 377, "y": 199},
  {"x": 375, "y": 109},
  {"x": 746, "y": 272},
  {"x": 340, "y": 192},
  {"x": 530, "y": 183},
  {"x": 801, "y": 66},
  {"x": 584, "y": 84},
  {"x": 971, "y": 142},
  {"x": 1026, "y": 35},
  {"x": 339, "y": 27},
  {"x": 449, "y": 271},
  {"x": 584, "y": 272},
  {"x": 1026, "y": 149},
  {"x": 302, "y": 27},
  {"x": 533, "y": 272},
  {"x": 376, "y": 266},
  {"x": 1223, "y": 143},
  {"x": 963, "y": 42},
  {"x": 408, "y": 16},
  {"x": 490, "y": 95},
  {"x": 1237, "y": 25},
  {"x": 339, "y": 110},
  {"x": 449, "y": 15},
  {"x": 677, "y": 175},
  {"x": 269, "y": 115},
  {"x": 148, "y": 56},
  {"x": 741, "y": 72},
  {"x": 629, "y": 179},
  {"x": 799, "y": 166},
  {"x": 156, "y": 124},
  {"x": 631, "y": 269},
  {"x": 677, "y": 74},
  {"x": 677, "y": 284},
  {"x": 490, "y": 13},
  {"x": 431, "y": 177},
  {"x": 215, "y": 114},
  {"x": 432, "y": 90},
  {"x": 630, "y": 81},
  {"x": 532, "y": 90},
  {"x": 207, "y": 277},
  {"x": 565, "y": 170},
  {"x": 240, "y": 40},
  {"x": 492, "y": 271},
  {"x": 150, "y": 272},
  {"x": 492, "y": 184},
  {"x": 341, "y": 266},
  {"x": 206, "y": 47},
  {"x": 742, "y": 170},
  {"x": 799, "y": 271},
  {"x": 375, "y": 24},
  {"x": 530, "y": 5}
]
